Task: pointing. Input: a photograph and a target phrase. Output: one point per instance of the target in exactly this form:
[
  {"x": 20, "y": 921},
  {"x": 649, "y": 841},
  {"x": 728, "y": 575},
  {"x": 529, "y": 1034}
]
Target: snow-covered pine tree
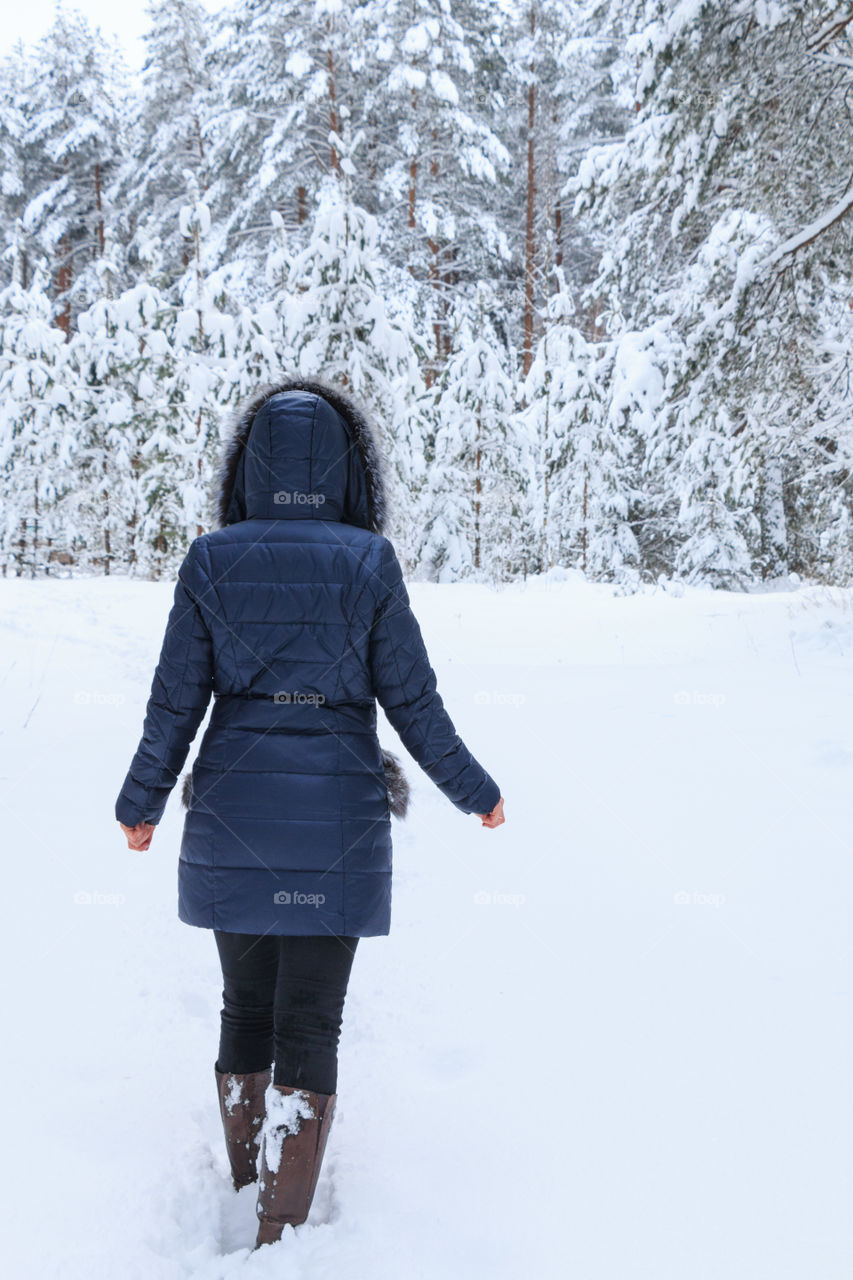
[
  {"x": 476, "y": 494},
  {"x": 282, "y": 97},
  {"x": 166, "y": 138},
  {"x": 13, "y": 164},
  {"x": 255, "y": 350},
  {"x": 153, "y": 370},
  {"x": 435, "y": 151},
  {"x": 73, "y": 143},
  {"x": 37, "y": 440},
  {"x": 705, "y": 455},
  {"x": 583, "y": 472},
  {"x": 187, "y": 443},
  {"x": 819, "y": 500},
  {"x": 336, "y": 324},
  {"x": 123, "y": 360},
  {"x": 539, "y": 81}
]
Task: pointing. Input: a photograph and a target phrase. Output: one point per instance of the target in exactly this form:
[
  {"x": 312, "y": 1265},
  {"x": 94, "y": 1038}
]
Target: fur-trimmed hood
[{"x": 302, "y": 448}]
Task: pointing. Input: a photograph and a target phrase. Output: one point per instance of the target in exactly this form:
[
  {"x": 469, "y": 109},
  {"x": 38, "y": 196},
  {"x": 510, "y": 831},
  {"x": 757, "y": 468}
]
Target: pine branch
[
  {"x": 830, "y": 31},
  {"x": 810, "y": 233}
]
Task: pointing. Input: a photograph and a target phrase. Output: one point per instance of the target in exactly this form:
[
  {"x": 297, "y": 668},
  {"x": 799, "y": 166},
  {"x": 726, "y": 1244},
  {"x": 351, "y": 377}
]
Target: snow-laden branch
[
  {"x": 835, "y": 60},
  {"x": 810, "y": 233},
  {"x": 829, "y": 32}
]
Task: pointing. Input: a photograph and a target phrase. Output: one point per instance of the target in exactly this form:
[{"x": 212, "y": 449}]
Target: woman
[{"x": 293, "y": 614}]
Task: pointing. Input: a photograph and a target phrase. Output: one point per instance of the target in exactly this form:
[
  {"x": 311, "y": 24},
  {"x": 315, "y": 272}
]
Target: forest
[{"x": 586, "y": 264}]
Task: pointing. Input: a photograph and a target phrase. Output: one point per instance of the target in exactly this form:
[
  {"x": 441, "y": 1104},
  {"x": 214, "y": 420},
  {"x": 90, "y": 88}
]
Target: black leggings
[{"x": 283, "y": 998}]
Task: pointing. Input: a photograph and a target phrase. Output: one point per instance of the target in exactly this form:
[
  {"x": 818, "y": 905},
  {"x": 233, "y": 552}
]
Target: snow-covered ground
[{"x": 609, "y": 1041}]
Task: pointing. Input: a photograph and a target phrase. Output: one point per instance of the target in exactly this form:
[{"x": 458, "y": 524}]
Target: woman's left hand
[
  {"x": 496, "y": 817},
  {"x": 138, "y": 837}
]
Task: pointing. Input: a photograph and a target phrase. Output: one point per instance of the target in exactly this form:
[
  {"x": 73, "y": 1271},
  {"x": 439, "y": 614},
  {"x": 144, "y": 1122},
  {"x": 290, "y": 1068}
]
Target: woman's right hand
[{"x": 496, "y": 817}]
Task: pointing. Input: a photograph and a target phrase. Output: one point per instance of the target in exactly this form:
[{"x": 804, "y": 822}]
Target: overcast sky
[{"x": 28, "y": 19}]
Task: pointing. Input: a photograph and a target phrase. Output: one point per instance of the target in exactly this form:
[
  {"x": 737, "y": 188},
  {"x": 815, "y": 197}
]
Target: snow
[
  {"x": 284, "y": 1115},
  {"x": 233, "y": 1094},
  {"x": 638, "y": 383},
  {"x": 406, "y": 77},
  {"x": 298, "y": 64},
  {"x": 443, "y": 87},
  {"x": 611, "y": 1040},
  {"x": 419, "y": 37}
]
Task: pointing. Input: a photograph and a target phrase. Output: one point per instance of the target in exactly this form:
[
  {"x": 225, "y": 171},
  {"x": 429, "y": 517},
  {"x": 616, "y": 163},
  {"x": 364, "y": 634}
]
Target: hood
[{"x": 300, "y": 450}]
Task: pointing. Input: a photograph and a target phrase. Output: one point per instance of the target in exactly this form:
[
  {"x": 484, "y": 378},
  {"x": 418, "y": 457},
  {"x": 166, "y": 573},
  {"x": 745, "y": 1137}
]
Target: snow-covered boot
[
  {"x": 294, "y": 1139},
  {"x": 241, "y": 1105}
]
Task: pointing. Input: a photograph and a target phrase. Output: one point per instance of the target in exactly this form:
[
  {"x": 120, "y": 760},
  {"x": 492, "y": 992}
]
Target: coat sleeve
[
  {"x": 405, "y": 686},
  {"x": 180, "y": 692}
]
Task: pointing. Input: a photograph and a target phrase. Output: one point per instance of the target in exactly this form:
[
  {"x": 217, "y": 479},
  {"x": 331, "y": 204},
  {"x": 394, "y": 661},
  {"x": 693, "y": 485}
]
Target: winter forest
[{"x": 587, "y": 263}]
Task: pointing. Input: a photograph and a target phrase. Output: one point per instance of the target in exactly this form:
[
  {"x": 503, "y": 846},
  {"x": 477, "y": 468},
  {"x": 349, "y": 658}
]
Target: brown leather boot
[
  {"x": 294, "y": 1141},
  {"x": 241, "y": 1105}
]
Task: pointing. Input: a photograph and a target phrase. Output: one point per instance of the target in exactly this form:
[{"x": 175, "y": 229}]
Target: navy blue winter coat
[{"x": 295, "y": 617}]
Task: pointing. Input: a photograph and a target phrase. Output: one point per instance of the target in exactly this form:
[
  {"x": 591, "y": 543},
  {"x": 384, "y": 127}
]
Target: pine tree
[
  {"x": 541, "y": 82},
  {"x": 584, "y": 473},
  {"x": 167, "y": 138},
  {"x": 336, "y": 324},
  {"x": 477, "y": 490},
  {"x": 14, "y": 74},
  {"x": 202, "y": 342},
  {"x": 436, "y": 154},
  {"x": 37, "y": 443},
  {"x": 273, "y": 136},
  {"x": 153, "y": 371},
  {"x": 73, "y": 142},
  {"x": 123, "y": 358}
]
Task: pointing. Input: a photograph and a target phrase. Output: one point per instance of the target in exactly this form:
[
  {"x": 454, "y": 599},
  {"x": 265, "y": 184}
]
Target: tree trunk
[
  {"x": 108, "y": 546},
  {"x": 62, "y": 282},
  {"x": 545, "y": 462},
  {"x": 529, "y": 237},
  {"x": 133, "y": 518},
  {"x": 440, "y": 305},
  {"x": 451, "y": 278},
  {"x": 372, "y": 149},
  {"x": 34, "y": 563},
  {"x": 199, "y": 284},
  {"x": 160, "y": 548},
  {"x": 413, "y": 172},
  {"x": 199, "y": 142},
  {"x": 558, "y": 208},
  {"x": 478, "y": 489},
  {"x": 99, "y": 206},
  {"x": 199, "y": 465},
  {"x": 22, "y": 551},
  {"x": 334, "y": 124}
]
